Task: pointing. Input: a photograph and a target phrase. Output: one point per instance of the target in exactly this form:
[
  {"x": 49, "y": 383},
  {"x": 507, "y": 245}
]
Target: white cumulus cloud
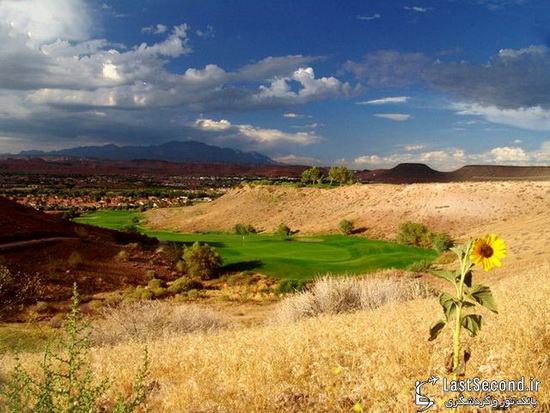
[{"x": 256, "y": 134}]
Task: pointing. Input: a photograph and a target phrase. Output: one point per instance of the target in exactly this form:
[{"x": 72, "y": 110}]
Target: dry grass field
[{"x": 367, "y": 360}]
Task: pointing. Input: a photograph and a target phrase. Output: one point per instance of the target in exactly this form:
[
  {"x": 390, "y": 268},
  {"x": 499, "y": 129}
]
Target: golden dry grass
[{"x": 379, "y": 355}]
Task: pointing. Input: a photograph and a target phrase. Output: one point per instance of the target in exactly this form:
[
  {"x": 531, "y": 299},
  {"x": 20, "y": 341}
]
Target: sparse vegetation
[
  {"x": 335, "y": 295},
  {"x": 244, "y": 229},
  {"x": 283, "y": 230},
  {"x": 150, "y": 320},
  {"x": 346, "y": 227},
  {"x": 419, "y": 266},
  {"x": 417, "y": 234},
  {"x": 202, "y": 261},
  {"x": 290, "y": 286},
  {"x": 66, "y": 382},
  {"x": 184, "y": 284}
]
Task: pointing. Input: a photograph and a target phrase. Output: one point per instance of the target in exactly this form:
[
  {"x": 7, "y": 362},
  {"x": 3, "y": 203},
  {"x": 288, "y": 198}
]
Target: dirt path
[{"x": 32, "y": 242}]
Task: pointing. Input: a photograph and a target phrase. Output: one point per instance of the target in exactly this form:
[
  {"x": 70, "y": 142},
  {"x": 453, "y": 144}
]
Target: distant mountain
[{"x": 175, "y": 151}]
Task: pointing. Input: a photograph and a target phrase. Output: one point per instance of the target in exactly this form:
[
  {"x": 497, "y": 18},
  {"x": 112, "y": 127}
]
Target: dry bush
[
  {"x": 147, "y": 320},
  {"x": 334, "y": 295}
]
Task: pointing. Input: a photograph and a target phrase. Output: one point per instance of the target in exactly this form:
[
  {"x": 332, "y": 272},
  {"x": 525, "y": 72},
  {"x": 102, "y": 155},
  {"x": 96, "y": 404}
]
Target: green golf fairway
[{"x": 296, "y": 257}]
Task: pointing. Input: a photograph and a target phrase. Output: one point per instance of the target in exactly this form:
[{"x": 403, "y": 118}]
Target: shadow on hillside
[{"x": 243, "y": 266}]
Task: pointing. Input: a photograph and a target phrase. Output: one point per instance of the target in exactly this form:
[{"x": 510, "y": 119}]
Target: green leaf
[
  {"x": 450, "y": 276},
  {"x": 483, "y": 295},
  {"x": 459, "y": 251},
  {"x": 472, "y": 323},
  {"x": 448, "y": 302},
  {"x": 436, "y": 329}
]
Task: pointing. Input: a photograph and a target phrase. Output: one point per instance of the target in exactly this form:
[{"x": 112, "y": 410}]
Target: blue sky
[{"x": 367, "y": 84}]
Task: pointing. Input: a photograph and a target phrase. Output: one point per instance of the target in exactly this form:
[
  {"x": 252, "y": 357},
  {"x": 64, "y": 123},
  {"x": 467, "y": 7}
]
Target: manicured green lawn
[
  {"x": 110, "y": 219},
  {"x": 295, "y": 257}
]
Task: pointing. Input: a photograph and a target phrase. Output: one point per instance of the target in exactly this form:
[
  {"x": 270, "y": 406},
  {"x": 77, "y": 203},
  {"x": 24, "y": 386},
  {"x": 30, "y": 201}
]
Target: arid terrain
[{"x": 368, "y": 360}]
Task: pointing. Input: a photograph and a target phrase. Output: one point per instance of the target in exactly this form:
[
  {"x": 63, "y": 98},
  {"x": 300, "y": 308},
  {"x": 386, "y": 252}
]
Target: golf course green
[{"x": 294, "y": 257}]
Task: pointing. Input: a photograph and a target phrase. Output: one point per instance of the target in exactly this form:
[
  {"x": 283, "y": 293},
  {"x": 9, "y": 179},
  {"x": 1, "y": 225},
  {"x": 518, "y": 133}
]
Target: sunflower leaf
[
  {"x": 450, "y": 276},
  {"x": 472, "y": 323},
  {"x": 448, "y": 302},
  {"x": 483, "y": 296},
  {"x": 436, "y": 329}
]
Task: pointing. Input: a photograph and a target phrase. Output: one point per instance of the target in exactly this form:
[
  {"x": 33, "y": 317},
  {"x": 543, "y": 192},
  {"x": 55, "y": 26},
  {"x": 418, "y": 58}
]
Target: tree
[
  {"x": 341, "y": 174},
  {"x": 202, "y": 261},
  {"x": 313, "y": 175},
  {"x": 306, "y": 176},
  {"x": 333, "y": 174}
]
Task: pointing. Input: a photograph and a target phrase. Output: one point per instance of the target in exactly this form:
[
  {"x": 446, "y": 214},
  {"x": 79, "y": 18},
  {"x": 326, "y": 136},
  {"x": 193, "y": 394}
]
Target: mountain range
[{"x": 175, "y": 151}]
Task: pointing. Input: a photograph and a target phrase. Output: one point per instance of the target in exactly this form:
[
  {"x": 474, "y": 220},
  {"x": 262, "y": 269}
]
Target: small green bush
[
  {"x": 290, "y": 286},
  {"x": 202, "y": 261},
  {"x": 346, "y": 227},
  {"x": 156, "y": 283},
  {"x": 419, "y": 266},
  {"x": 184, "y": 284},
  {"x": 417, "y": 234},
  {"x": 442, "y": 242},
  {"x": 413, "y": 233},
  {"x": 244, "y": 229},
  {"x": 283, "y": 230}
]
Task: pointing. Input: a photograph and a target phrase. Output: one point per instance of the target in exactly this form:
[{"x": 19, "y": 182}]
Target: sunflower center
[{"x": 486, "y": 251}]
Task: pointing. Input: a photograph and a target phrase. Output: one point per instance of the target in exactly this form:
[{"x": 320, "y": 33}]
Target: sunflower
[{"x": 488, "y": 251}]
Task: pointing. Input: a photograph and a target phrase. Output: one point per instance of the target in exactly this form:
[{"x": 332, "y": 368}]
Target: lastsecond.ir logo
[{"x": 421, "y": 400}]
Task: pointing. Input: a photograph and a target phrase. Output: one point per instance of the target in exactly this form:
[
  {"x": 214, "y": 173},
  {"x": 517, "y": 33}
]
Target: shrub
[
  {"x": 244, "y": 229},
  {"x": 416, "y": 234},
  {"x": 123, "y": 256},
  {"x": 346, "y": 227},
  {"x": 74, "y": 260},
  {"x": 442, "y": 242},
  {"x": 131, "y": 228},
  {"x": 290, "y": 286},
  {"x": 66, "y": 383},
  {"x": 331, "y": 295},
  {"x": 180, "y": 266},
  {"x": 184, "y": 284},
  {"x": 156, "y": 283},
  {"x": 202, "y": 261},
  {"x": 419, "y": 266},
  {"x": 70, "y": 214},
  {"x": 150, "y": 320},
  {"x": 413, "y": 233},
  {"x": 283, "y": 230}
]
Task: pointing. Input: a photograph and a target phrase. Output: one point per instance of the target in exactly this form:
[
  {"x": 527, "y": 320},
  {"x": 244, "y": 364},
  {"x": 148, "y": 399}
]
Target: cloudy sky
[{"x": 363, "y": 83}]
